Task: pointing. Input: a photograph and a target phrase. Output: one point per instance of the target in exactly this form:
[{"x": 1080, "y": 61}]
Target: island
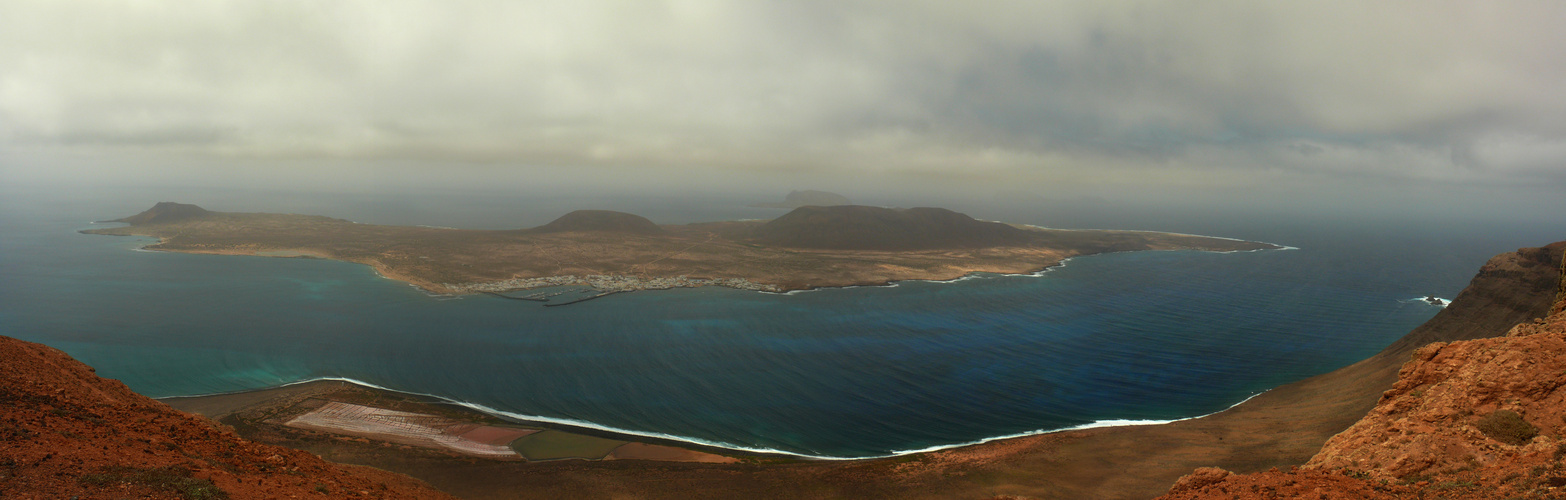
[{"x": 809, "y": 247}]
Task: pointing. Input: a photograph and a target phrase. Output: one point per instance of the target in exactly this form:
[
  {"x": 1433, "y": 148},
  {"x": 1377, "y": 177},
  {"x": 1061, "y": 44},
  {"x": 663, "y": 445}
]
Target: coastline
[
  {"x": 1041, "y": 272},
  {"x": 623, "y": 283},
  {"x": 223, "y": 407},
  {"x": 1151, "y": 449},
  {"x": 1278, "y": 428},
  {"x": 627, "y": 283},
  {"x": 219, "y": 405},
  {"x": 512, "y": 285}
]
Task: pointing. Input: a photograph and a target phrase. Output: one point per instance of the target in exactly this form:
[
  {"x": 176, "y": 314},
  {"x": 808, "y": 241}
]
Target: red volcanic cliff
[
  {"x": 68, "y": 433},
  {"x": 1468, "y": 419}
]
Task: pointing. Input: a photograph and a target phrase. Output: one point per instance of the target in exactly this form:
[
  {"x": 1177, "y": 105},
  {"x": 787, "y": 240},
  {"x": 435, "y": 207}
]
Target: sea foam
[{"x": 570, "y": 422}]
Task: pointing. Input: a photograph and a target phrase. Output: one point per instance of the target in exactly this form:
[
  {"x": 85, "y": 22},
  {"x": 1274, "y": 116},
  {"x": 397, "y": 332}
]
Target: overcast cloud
[{"x": 1231, "y": 93}]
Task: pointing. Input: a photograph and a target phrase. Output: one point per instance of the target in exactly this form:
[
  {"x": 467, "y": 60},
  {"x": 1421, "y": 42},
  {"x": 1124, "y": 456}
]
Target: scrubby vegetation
[
  {"x": 171, "y": 479},
  {"x": 1507, "y": 427}
]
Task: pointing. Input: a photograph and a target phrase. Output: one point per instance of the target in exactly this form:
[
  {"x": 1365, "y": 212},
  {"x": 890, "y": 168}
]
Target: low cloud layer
[{"x": 1189, "y": 92}]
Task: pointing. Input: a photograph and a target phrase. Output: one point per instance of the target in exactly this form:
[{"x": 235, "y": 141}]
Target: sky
[{"x": 1322, "y": 103}]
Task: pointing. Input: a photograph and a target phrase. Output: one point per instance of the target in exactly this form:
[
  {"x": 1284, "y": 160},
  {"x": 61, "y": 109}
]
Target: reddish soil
[
  {"x": 67, "y": 433},
  {"x": 1471, "y": 419}
]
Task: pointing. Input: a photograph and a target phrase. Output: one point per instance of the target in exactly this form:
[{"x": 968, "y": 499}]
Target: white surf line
[
  {"x": 524, "y": 418},
  {"x": 1439, "y": 302},
  {"x": 575, "y": 423},
  {"x": 1280, "y": 247},
  {"x": 1089, "y": 425}
]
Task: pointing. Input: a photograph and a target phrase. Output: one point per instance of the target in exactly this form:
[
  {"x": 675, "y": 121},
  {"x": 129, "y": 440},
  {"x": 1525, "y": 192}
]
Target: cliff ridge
[{"x": 1466, "y": 419}]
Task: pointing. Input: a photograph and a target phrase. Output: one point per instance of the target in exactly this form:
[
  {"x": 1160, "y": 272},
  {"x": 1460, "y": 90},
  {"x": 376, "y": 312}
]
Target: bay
[{"x": 870, "y": 371}]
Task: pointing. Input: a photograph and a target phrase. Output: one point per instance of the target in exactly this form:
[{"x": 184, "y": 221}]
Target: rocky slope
[
  {"x": 1478, "y": 418},
  {"x": 67, "y": 433},
  {"x": 601, "y": 221}
]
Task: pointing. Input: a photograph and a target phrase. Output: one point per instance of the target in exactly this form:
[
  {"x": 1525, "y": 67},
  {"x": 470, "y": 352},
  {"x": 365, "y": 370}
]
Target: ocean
[{"x": 836, "y": 373}]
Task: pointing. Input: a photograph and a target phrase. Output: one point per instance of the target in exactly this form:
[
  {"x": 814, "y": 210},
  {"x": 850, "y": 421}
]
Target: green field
[{"x": 556, "y": 445}]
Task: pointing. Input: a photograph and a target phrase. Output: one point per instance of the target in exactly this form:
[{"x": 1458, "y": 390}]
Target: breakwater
[
  {"x": 610, "y": 283},
  {"x": 583, "y": 299},
  {"x": 503, "y": 296}
]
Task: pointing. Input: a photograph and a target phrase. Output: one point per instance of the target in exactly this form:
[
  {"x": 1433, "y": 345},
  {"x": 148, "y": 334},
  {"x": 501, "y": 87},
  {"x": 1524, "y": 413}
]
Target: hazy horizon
[{"x": 1447, "y": 110}]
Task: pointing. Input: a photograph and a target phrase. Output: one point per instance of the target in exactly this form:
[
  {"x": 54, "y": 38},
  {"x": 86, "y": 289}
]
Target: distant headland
[
  {"x": 809, "y": 247},
  {"x": 796, "y": 199}
]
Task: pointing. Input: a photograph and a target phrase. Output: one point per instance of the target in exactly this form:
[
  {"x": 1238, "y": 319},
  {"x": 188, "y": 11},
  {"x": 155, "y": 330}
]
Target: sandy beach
[{"x": 352, "y": 413}]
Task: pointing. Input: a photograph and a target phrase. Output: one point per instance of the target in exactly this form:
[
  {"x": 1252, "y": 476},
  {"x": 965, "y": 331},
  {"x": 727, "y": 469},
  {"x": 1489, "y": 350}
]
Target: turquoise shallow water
[{"x": 836, "y": 373}]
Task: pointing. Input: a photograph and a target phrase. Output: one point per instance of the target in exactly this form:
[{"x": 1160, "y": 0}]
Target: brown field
[{"x": 332, "y": 415}]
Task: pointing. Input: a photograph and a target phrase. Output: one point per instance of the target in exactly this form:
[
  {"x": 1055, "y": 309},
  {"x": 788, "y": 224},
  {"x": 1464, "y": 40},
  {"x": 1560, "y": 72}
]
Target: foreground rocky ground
[
  {"x": 1474, "y": 419},
  {"x": 67, "y": 433}
]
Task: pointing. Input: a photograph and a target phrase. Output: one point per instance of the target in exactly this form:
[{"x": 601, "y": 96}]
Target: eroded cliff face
[
  {"x": 1463, "y": 405},
  {"x": 1483, "y": 418},
  {"x": 67, "y": 433}
]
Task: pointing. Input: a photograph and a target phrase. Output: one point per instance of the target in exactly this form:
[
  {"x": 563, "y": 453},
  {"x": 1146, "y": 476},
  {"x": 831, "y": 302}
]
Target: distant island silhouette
[
  {"x": 854, "y": 227},
  {"x": 806, "y": 198}
]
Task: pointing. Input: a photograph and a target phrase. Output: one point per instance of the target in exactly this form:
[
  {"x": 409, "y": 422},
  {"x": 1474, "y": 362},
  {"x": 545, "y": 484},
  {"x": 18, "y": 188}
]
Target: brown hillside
[
  {"x": 858, "y": 227},
  {"x": 68, "y": 433},
  {"x": 601, "y": 221},
  {"x": 164, "y": 212}
]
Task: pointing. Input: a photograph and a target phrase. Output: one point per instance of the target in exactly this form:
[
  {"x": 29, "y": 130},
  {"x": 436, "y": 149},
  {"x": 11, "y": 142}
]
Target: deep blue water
[{"x": 840, "y": 372}]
